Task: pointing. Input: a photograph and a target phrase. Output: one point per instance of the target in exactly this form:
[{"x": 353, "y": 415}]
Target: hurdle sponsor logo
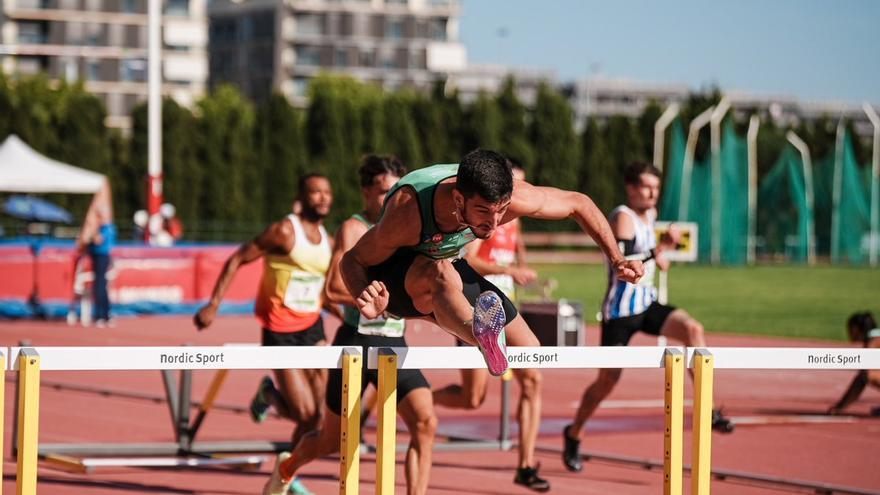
[
  {"x": 197, "y": 358},
  {"x": 839, "y": 359},
  {"x": 534, "y": 358}
]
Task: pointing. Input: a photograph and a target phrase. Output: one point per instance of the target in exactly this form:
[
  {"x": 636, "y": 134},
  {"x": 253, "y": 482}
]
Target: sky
[{"x": 809, "y": 49}]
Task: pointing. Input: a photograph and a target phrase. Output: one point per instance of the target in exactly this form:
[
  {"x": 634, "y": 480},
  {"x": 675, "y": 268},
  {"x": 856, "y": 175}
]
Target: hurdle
[
  {"x": 31, "y": 361},
  {"x": 387, "y": 360},
  {"x": 705, "y": 360}
]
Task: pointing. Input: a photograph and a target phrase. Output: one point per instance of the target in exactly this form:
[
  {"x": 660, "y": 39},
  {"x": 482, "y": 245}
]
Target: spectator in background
[
  {"x": 97, "y": 238},
  {"x": 862, "y": 328}
]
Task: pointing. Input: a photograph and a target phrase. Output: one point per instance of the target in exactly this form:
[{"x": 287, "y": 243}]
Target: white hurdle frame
[
  {"x": 30, "y": 361},
  {"x": 389, "y": 359}
]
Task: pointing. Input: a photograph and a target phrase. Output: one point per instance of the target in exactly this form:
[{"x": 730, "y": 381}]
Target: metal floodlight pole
[
  {"x": 660, "y": 132},
  {"x": 715, "y": 135},
  {"x": 752, "y": 137},
  {"x": 801, "y": 146},
  {"x": 693, "y": 134},
  {"x": 875, "y": 185},
  {"x": 836, "y": 191},
  {"x": 154, "y": 112}
]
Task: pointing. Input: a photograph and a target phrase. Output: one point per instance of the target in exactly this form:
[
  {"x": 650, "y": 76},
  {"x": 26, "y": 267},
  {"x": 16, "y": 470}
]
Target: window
[
  {"x": 133, "y": 69},
  {"x": 93, "y": 70},
  {"x": 438, "y": 29},
  {"x": 394, "y": 29},
  {"x": 342, "y": 57},
  {"x": 177, "y": 7},
  {"x": 300, "y": 86},
  {"x": 366, "y": 58},
  {"x": 307, "y": 55},
  {"x": 310, "y": 24},
  {"x": 129, "y": 6},
  {"x": 31, "y": 33}
]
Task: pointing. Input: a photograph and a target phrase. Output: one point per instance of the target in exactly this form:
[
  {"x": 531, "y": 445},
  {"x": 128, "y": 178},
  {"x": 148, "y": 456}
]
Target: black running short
[
  {"x": 308, "y": 337},
  {"x": 392, "y": 272},
  {"x": 407, "y": 379},
  {"x": 618, "y": 331}
]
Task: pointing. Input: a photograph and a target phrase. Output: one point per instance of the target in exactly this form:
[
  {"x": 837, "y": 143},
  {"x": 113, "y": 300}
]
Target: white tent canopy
[{"x": 24, "y": 170}]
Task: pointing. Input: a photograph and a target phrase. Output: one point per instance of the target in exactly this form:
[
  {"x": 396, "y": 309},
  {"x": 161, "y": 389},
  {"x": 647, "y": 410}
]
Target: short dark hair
[
  {"x": 859, "y": 324},
  {"x": 485, "y": 173},
  {"x": 304, "y": 180},
  {"x": 632, "y": 173},
  {"x": 373, "y": 166}
]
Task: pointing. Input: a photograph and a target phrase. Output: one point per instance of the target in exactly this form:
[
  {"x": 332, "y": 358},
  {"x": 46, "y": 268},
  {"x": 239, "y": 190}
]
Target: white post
[
  {"x": 154, "y": 110},
  {"x": 875, "y": 185},
  {"x": 715, "y": 135},
  {"x": 836, "y": 191},
  {"x": 693, "y": 134},
  {"x": 752, "y": 137},
  {"x": 660, "y": 133},
  {"x": 799, "y": 143}
]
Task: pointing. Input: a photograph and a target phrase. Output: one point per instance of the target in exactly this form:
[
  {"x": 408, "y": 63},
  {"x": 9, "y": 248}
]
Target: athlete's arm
[
  {"x": 855, "y": 389},
  {"x": 549, "y": 203},
  {"x": 277, "y": 238},
  {"x": 399, "y": 227},
  {"x": 335, "y": 290}
]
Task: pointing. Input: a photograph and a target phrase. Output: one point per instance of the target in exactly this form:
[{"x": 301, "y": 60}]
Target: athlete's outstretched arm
[
  {"x": 550, "y": 203},
  {"x": 399, "y": 227},
  {"x": 335, "y": 290},
  {"x": 278, "y": 237}
]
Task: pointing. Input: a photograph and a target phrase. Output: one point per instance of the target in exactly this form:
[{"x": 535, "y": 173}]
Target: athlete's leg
[
  {"x": 469, "y": 395},
  {"x": 681, "y": 326},
  {"x": 417, "y": 412},
  {"x": 435, "y": 287},
  {"x": 593, "y": 396},
  {"x": 529, "y": 408},
  {"x": 299, "y": 398},
  {"x": 314, "y": 444}
]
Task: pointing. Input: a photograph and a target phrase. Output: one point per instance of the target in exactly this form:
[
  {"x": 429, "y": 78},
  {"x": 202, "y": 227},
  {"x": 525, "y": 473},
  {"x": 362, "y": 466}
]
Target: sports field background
[{"x": 774, "y": 300}]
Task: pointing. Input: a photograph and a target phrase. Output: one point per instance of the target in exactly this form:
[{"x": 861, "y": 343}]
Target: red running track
[{"x": 842, "y": 453}]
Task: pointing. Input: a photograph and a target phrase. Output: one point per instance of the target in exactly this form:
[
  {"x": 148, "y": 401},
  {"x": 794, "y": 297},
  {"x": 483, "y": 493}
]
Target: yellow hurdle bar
[
  {"x": 701, "y": 471},
  {"x": 387, "y": 405},
  {"x": 350, "y": 437},
  {"x": 674, "y": 407},
  {"x": 28, "y": 420},
  {"x": 2, "y": 407}
]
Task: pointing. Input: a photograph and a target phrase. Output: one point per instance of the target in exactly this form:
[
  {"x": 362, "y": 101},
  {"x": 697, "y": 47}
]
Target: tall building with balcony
[
  {"x": 266, "y": 45},
  {"x": 104, "y": 43}
]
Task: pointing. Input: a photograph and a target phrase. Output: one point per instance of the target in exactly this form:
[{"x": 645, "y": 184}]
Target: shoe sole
[{"x": 488, "y": 327}]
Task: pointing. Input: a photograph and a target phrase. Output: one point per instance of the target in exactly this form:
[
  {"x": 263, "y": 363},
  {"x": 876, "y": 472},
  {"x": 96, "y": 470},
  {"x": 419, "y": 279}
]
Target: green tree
[
  {"x": 552, "y": 135},
  {"x": 451, "y": 116},
  {"x": 232, "y": 187},
  {"x": 482, "y": 127},
  {"x": 599, "y": 173},
  {"x": 182, "y": 179},
  {"x": 400, "y": 131},
  {"x": 281, "y": 149},
  {"x": 514, "y": 139},
  {"x": 649, "y": 116},
  {"x": 6, "y": 107}
]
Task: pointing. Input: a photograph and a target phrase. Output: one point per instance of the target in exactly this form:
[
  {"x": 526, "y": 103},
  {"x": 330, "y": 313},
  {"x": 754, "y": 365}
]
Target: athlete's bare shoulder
[
  {"x": 279, "y": 237},
  {"x": 402, "y": 219}
]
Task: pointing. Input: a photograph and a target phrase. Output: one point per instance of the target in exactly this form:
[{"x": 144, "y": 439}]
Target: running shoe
[
  {"x": 298, "y": 488},
  {"x": 571, "y": 456},
  {"x": 721, "y": 423},
  {"x": 528, "y": 477},
  {"x": 488, "y": 328},
  {"x": 276, "y": 484},
  {"x": 260, "y": 403}
]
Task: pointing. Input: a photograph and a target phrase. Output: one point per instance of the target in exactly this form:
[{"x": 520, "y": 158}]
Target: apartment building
[
  {"x": 263, "y": 45},
  {"x": 104, "y": 43}
]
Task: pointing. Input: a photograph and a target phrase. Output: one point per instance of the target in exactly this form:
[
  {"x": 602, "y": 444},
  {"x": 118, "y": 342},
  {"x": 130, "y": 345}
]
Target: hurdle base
[
  {"x": 159, "y": 448},
  {"x": 88, "y": 465}
]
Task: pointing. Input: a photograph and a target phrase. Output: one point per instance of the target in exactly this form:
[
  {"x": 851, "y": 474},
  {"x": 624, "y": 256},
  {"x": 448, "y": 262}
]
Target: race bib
[
  {"x": 383, "y": 327},
  {"x": 303, "y": 293},
  {"x": 505, "y": 283}
]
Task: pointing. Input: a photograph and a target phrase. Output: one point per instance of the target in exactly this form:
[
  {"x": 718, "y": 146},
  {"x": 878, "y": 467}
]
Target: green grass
[{"x": 790, "y": 301}]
